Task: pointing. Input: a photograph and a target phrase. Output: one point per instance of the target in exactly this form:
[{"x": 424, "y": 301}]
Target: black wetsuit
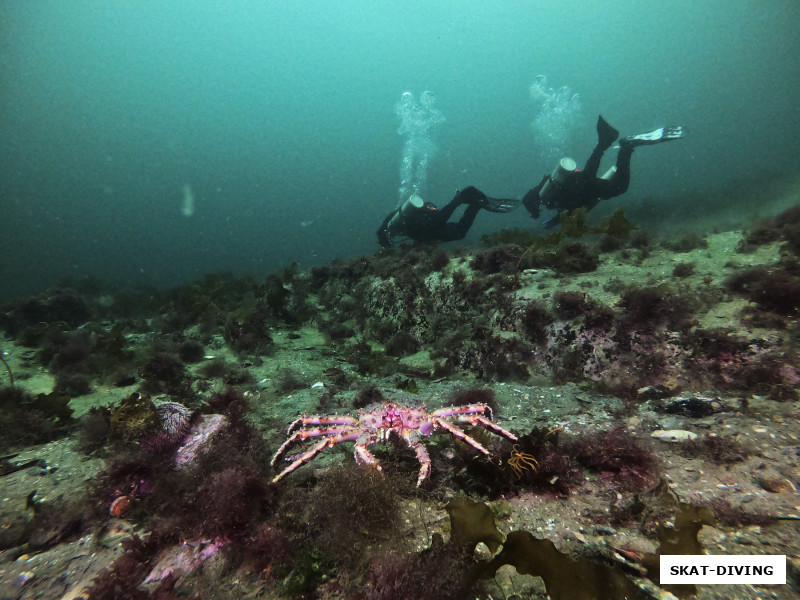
[
  {"x": 431, "y": 224},
  {"x": 585, "y": 189}
]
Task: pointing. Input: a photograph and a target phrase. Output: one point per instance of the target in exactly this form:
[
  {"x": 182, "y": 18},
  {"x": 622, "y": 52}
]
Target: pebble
[
  {"x": 24, "y": 578},
  {"x": 482, "y": 552}
]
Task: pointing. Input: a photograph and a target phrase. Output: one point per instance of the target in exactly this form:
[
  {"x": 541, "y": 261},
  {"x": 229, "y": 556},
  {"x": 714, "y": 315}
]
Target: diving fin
[
  {"x": 500, "y": 205},
  {"x": 663, "y": 134},
  {"x": 606, "y": 134}
]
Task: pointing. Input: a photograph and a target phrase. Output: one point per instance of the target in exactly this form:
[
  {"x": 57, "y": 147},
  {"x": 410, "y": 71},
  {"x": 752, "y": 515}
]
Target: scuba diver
[
  {"x": 569, "y": 188},
  {"x": 423, "y": 222}
]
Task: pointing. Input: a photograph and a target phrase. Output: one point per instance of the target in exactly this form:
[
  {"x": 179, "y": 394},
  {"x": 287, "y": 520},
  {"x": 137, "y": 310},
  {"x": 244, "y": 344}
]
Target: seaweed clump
[
  {"x": 247, "y": 331},
  {"x": 351, "y": 509},
  {"x": 437, "y": 573},
  {"x": 501, "y": 259},
  {"x": 370, "y": 394},
  {"x": 682, "y": 270},
  {"x": 534, "y": 322},
  {"x": 784, "y": 227},
  {"x": 649, "y": 308},
  {"x": 573, "y": 257},
  {"x": 775, "y": 291},
  {"x": 29, "y": 419},
  {"x": 61, "y": 306},
  {"x": 570, "y": 305},
  {"x": 722, "y": 450},
  {"x": 686, "y": 242},
  {"x": 546, "y": 461},
  {"x": 165, "y": 373},
  {"x": 616, "y": 455},
  {"x": 573, "y": 225}
]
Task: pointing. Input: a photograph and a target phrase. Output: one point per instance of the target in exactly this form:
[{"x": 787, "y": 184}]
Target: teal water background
[{"x": 280, "y": 117}]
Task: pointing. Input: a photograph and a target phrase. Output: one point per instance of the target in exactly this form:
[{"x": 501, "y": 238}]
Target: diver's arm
[{"x": 531, "y": 199}]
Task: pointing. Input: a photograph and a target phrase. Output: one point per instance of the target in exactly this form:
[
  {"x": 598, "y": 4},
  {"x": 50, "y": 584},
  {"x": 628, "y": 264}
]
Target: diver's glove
[
  {"x": 663, "y": 134},
  {"x": 550, "y": 223},
  {"x": 531, "y": 199}
]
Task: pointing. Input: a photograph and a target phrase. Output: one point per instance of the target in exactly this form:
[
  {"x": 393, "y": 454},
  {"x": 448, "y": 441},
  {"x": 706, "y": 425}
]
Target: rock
[
  {"x": 183, "y": 559},
  {"x": 603, "y": 530},
  {"x": 693, "y": 406},
  {"x": 772, "y": 482},
  {"x": 200, "y": 437},
  {"x": 652, "y": 392},
  {"x": 673, "y": 435}
]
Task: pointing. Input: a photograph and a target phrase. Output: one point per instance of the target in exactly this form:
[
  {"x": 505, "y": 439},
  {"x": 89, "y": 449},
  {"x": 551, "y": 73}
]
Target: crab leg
[
  {"x": 365, "y": 456},
  {"x": 304, "y": 434},
  {"x": 318, "y": 420},
  {"x": 465, "y": 409},
  {"x": 476, "y": 420},
  {"x": 457, "y": 433},
  {"x": 316, "y": 449},
  {"x": 422, "y": 456},
  {"x": 474, "y": 414}
]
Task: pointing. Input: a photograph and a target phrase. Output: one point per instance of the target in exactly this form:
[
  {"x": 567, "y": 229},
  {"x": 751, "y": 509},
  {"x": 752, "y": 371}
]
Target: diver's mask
[
  {"x": 565, "y": 169},
  {"x": 413, "y": 205}
]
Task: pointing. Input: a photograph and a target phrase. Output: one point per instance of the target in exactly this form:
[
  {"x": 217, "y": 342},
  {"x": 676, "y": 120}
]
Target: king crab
[{"x": 388, "y": 421}]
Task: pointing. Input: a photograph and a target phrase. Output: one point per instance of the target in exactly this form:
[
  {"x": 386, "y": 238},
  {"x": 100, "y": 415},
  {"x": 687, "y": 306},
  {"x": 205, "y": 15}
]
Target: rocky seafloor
[{"x": 651, "y": 385}]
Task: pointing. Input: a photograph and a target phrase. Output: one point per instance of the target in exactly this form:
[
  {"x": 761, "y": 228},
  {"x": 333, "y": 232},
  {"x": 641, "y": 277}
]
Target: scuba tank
[
  {"x": 413, "y": 204},
  {"x": 551, "y": 187},
  {"x": 610, "y": 173}
]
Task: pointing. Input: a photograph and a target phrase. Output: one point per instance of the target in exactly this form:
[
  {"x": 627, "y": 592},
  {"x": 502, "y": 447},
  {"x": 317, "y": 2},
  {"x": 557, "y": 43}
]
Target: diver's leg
[
  {"x": 618, "y": 183},
  {"x": 468, "y": 195},
  {"x": 457, "y": 231},
  {"x": 593, "y": 163},
  {"x": 448, "y": 209}
]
